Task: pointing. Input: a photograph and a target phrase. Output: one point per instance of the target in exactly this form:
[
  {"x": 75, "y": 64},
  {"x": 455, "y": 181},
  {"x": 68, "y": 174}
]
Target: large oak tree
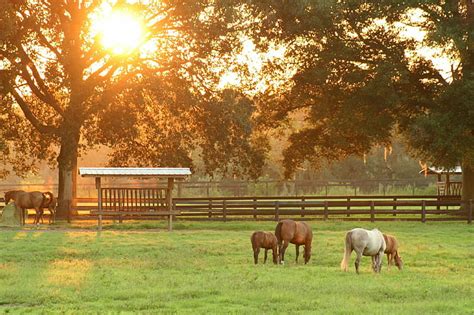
[{"x": 63, "y": 92}]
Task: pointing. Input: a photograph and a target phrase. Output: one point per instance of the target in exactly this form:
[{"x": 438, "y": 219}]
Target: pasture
[{"x": 207, "y": 267}]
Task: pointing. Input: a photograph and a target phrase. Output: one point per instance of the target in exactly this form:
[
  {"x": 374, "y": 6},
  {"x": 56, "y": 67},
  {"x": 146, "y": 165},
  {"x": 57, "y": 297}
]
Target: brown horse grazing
[
  {"x": 392, "y": 251},
  {"x": 298, "y": 233},
  {"x": 265, "y": 240},
  {"x": 27, "y": 200}
]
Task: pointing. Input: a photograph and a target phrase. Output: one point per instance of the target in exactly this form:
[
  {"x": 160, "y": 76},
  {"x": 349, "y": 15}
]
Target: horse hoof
[{"x": 282, "y": 262}]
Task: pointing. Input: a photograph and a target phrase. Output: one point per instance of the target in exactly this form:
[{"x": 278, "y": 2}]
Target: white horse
[{"x": 367, "y": 243}]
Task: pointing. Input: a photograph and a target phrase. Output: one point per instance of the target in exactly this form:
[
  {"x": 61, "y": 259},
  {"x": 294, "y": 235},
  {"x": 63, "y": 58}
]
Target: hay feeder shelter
[{"x": 128, "y": 202}]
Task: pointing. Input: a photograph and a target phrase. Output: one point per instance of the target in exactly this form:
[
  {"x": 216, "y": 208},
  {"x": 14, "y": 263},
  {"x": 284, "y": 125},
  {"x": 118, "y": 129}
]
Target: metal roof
[
  {"x": 438, "y": 170},
  {"x": 176, "y": 172}
]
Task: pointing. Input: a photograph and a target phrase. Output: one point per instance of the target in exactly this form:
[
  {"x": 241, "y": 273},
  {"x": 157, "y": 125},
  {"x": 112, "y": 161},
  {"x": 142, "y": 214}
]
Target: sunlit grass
[{"x": 207, "y": 267}]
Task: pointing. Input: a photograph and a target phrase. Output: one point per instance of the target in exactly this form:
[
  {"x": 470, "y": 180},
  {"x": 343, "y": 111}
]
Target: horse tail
[
  {"x": 50, "y": 197},
  {"x": 278, "y": 232},
  {"x": 347, "y": 252},
  {"x": 253, "y": 240}
]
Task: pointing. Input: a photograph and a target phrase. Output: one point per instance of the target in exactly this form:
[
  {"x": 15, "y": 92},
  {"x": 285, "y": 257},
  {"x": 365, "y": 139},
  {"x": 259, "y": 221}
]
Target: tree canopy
[
  {"x": 63, "y": 91},
  {"x": 362, "y": 77}
]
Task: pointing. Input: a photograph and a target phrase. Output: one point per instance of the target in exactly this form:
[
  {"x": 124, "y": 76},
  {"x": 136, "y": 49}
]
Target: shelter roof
[
  {"x": 439, "y": 170},
  {"x": 163, "y": 172}
]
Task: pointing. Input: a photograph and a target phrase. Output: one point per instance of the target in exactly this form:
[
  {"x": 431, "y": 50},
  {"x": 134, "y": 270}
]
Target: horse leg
[
  {"x": 283, "y": 247},
  {"x": 357, "y": 261},
  {"x": 24, "y": 213},
  {"x": 265, "y": 259},
  {"x": 256, "y": 251},
  {"x": 379, "y": 261},
  {"x": 297, "y": 252},
  {"x": 38, "y": 215},
  {"x": 374, "y": 263}
]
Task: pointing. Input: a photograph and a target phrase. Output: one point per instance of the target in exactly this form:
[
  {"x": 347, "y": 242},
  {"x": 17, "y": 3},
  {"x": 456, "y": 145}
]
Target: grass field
[{"x": 207, "y": 267}]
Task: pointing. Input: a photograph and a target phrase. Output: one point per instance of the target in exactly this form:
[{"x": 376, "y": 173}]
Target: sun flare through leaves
[{"x": 120, "y": 31}]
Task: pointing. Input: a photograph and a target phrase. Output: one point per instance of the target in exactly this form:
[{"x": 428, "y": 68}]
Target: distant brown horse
[
  {"x": 29, "y": 200},
  {"x": 392, "y": 251},
  {"x": 266, "y": 240},
  {"x": 298, "y": 233}
]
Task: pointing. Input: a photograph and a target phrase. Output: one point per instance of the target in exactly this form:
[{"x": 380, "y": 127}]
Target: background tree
[
  {"x": 361, "y": 79},
  {"x": 63, "y": 92}
]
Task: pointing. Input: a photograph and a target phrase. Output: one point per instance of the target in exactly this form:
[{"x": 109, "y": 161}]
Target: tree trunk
[
  {"x": 67, "y": 164},
  {"x": 467, "y": 183}
]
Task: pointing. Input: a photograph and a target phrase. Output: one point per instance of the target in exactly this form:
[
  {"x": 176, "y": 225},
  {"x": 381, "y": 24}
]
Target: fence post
[
  {"x": 372, "y": 211},
  {"x": 423, "y": 211},
  {"x": 302, "y": 207},
  {"x": 99, "y": 202},
  {"x": 277, "y": 211},
  {"x": 224, "y": 209},
  {"x": 469, "y": 213},
  {"x": 326, "y": 212},
  {"x": 209, "y": 214},
  {"x": 255, "y": 208},
  {"x": 395, "y": 208},
  {"x": 348, "y": 207}
]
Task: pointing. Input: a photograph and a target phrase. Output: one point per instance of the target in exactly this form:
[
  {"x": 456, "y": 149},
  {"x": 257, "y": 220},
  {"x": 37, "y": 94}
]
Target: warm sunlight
[{"x": 120, "y": 31}]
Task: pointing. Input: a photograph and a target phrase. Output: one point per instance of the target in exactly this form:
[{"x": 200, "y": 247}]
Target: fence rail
[
  {"x": 360, "y": 208},
  {"x": 195, "y": 188}
]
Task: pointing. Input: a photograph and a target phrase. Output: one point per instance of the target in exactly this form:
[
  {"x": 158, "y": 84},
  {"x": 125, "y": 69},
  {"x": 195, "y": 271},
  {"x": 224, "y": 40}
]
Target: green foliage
[
  {"x": 207, "y": 267},
  {"x": 359, "y": 82}
]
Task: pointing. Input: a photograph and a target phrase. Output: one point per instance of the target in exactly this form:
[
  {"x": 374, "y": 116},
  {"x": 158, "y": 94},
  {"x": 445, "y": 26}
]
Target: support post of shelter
[
  {"x": 169, "y": 202},
  {"x": 99, "y": 202}
]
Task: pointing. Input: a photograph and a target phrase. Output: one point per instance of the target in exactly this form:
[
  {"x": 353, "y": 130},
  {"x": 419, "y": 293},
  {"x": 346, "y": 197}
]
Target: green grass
[{"x": 207, "y": 267}]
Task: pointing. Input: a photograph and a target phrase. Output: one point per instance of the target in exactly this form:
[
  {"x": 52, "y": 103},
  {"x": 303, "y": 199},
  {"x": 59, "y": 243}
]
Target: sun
[{"x": 120, "y": 31}]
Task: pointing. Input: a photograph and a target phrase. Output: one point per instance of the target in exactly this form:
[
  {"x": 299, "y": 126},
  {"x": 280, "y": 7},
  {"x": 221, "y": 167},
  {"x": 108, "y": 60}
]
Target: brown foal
[
  {"x": 266, "y": 240},
  {"x": 392, "y": 251}
]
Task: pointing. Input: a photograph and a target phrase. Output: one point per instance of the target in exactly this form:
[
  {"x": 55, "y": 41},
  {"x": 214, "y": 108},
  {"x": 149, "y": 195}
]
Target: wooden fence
[
  {"x": 359, "y": 208},
  {"x": 356, "y": 208}
]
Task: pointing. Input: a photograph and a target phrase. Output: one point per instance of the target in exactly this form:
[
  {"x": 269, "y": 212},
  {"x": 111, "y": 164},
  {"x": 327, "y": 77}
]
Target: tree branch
[
  {"x": 49, "y": 97},
  {"x": 44, "y": 129},
  {"x": 42, "y": 39}
]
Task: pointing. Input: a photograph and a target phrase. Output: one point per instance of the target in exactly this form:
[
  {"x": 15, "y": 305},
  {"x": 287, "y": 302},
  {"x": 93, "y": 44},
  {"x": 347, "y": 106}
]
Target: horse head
[
  {"x": 307, "y": 254},
  {"x": 8, "y": 196},
  {"x": 398, "y": 262}
]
